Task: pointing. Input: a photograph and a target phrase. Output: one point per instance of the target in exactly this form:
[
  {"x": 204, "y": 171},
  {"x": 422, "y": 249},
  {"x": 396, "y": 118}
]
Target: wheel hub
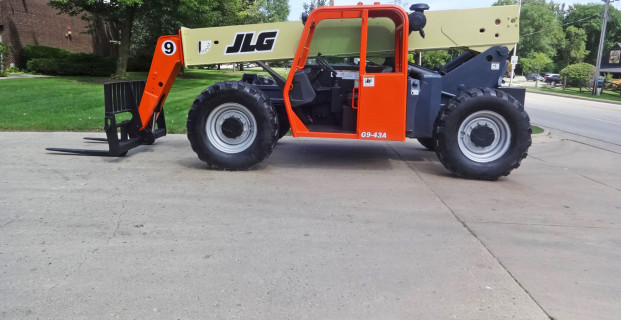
[
  {"x": 232, "y": 128},
  {"x": 482, "y": 136}
]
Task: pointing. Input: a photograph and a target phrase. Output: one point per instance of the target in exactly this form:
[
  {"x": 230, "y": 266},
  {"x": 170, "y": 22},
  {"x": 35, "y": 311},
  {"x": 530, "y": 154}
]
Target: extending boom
[{"x": 474, "y": 29}]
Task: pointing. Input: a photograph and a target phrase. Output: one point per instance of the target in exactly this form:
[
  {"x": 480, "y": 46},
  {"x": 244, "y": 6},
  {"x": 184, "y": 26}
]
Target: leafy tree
[
  {"x": 505, "y": 3},
  {"x": 163, "y": 17},
  {"x": 574, "y": 48},
  {"x": 589, "y": 18},
  {"x": 147, "y": 20},
  {"x": 535, "y": 63},
  {"x": 273, "y": 10},
  {"x": 435, "y": 58},
  {"x": 313, "y": 5},
  {"x": 578, "y": 74},
  {"x": 540, "y": 30},
  {"x": 117, "y": 12}
]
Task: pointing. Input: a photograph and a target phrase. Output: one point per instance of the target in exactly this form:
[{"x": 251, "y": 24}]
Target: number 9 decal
[{"x": 169, "y": 47}]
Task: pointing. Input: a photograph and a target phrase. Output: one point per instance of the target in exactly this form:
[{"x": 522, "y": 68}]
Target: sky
[{"x": 296, "y": 6}]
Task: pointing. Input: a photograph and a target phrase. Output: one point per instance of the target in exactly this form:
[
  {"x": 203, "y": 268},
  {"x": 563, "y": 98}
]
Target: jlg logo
[{"x": 243, "y": 42}]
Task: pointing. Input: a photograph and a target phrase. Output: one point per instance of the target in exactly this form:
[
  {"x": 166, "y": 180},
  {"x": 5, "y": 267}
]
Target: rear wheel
[
  {"x": 482, "y": 134},
  {"x": 232, "y": 126}
]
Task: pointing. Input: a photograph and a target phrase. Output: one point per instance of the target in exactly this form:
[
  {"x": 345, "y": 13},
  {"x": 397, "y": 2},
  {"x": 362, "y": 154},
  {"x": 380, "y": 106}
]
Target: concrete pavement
[{"x": 322, "y": 230}]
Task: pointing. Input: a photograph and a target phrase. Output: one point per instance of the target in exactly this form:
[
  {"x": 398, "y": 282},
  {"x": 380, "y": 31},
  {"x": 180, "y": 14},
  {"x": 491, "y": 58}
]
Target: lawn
[
  {"x": 77, "y": 103},
  {"x": 607, "y": 95}
]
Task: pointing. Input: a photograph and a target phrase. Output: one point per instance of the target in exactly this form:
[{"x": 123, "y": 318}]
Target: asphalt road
[
  {"x": 592, "y": 119},
  {"x": 321, "y": 230}
]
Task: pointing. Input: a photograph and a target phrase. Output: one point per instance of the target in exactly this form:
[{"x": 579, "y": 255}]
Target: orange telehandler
[{"x": 350, "y": 78}]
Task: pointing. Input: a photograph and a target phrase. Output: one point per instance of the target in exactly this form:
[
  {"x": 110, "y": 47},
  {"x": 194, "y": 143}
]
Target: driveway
[{"x": 322, "y": 230}]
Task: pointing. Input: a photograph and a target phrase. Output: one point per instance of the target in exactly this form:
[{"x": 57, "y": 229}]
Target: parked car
[
  {"x": 545, "y": 74},
  {"x": 552, "y": 79},
  {"x": 533, "y": 77}
]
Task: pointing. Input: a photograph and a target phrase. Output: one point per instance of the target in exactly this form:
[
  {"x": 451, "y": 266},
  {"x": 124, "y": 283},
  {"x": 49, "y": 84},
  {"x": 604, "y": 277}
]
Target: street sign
[{"x": 514, "y": 60}]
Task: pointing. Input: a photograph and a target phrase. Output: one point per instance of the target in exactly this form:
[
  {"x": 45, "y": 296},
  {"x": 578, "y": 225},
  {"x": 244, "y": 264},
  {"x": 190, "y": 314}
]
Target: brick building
[{"x": 33, "y": 22}]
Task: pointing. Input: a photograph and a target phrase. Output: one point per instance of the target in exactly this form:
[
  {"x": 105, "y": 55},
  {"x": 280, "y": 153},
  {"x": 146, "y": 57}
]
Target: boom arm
[
  {"x": 475, "y": 29},
  {"x": 167, "y": 61}
]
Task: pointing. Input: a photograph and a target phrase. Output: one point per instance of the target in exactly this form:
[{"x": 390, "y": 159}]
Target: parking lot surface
[{"x": 321, "y": 230}]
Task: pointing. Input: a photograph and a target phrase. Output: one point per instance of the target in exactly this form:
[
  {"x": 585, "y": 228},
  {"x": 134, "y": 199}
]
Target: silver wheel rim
[
  {"x": 498, "y": 147},
  {"x": 242, "y": 117}
]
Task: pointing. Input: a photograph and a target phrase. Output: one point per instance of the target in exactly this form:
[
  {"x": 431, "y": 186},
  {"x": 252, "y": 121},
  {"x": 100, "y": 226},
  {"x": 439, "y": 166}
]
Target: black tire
[
  {"x": 428, "y": 143},
  {"x": 482, "y": 134},
  {"x": 232, "y": 126}
]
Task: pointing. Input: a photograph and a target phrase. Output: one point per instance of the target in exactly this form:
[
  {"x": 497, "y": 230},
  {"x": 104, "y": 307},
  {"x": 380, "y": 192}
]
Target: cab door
[
  {"x": 376, "y": 36},
  {"x": 383, "y": 77}
]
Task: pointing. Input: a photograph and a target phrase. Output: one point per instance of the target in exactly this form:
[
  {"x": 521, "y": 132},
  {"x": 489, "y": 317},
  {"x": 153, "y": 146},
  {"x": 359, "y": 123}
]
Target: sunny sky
[{"x": 296, "y": 5}]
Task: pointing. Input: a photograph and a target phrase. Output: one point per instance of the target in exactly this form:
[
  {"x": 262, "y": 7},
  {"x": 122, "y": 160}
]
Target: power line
[{"x": 560, "y": 26}]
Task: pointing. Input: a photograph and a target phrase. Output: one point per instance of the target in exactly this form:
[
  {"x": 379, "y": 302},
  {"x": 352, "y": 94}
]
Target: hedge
[
  {"x": 38, "y": 52},
  {"x": 77, "y": 64},
  {"x": 55, "y": 61}
]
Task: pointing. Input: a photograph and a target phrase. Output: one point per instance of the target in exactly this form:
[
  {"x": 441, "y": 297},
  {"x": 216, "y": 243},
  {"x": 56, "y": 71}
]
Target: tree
[
  {"x": 273, "y": 10},
  {"x": 117, "y": 12},
  {"x": 535, "y": 63},
  {"x": 540, "y": 31},
  {"x": 574, "y": 49},
  {"x": 313, "y": 5},
  {"x": 578, "y": 74},
  {"x": 435, "y": 58},
  {"x": 147, "y": 20},
  {"x": 589, "y": 19}
]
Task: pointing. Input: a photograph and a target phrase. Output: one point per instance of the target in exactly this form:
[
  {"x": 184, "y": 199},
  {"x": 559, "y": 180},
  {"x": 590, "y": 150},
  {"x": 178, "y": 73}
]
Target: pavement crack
[
  {"x": 465, "y": 225},
  {"x": 543, "y": 225},
  {"x": 552, "y": 165},
  {"x": 118, "y": 223},
  {"x": 64, "y": 279},
  {"x": 9, "y": 222}
]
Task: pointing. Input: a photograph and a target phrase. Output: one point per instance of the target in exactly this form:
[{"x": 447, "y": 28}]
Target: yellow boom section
[{"x": 474, "y": 29}]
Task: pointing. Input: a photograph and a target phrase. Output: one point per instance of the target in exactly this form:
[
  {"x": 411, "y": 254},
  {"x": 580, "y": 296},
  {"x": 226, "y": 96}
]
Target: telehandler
[{"x": 350, "y": 78}]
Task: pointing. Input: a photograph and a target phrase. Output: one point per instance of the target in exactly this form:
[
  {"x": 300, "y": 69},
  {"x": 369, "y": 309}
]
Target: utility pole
[
  {"x": 602, "y": 38},
  {"x": 514, "y": 58}
]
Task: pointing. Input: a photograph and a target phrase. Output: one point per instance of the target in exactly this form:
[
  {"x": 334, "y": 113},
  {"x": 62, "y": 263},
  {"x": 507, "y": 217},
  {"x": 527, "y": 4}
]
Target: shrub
[
  {"x": 43, "y": 65},
  {"x": 4, "y": 52},
  {"x": 41, "y": 52},
  {"x": 139, "y": 63},
  {"x": 77, "y": 64},
  {"x": 578, "y": 75}
]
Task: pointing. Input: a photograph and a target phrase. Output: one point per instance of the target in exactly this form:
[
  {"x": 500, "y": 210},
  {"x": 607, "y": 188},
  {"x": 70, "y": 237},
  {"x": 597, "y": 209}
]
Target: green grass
[
  {"x": 609, "y": 96},
  {"x": 537, "y": 130},
  {"x": 77, "y": 103}
]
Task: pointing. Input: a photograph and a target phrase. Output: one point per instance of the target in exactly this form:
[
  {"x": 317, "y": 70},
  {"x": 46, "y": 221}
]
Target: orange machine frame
[
  {"x": 161, "y": 78},
  {"x": 382, "y": 106}
]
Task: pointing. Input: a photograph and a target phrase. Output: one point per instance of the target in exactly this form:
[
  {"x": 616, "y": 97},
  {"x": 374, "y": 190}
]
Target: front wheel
[
  {"x": 482, "y": 134},
  {"x": 232, "y": 126}
]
